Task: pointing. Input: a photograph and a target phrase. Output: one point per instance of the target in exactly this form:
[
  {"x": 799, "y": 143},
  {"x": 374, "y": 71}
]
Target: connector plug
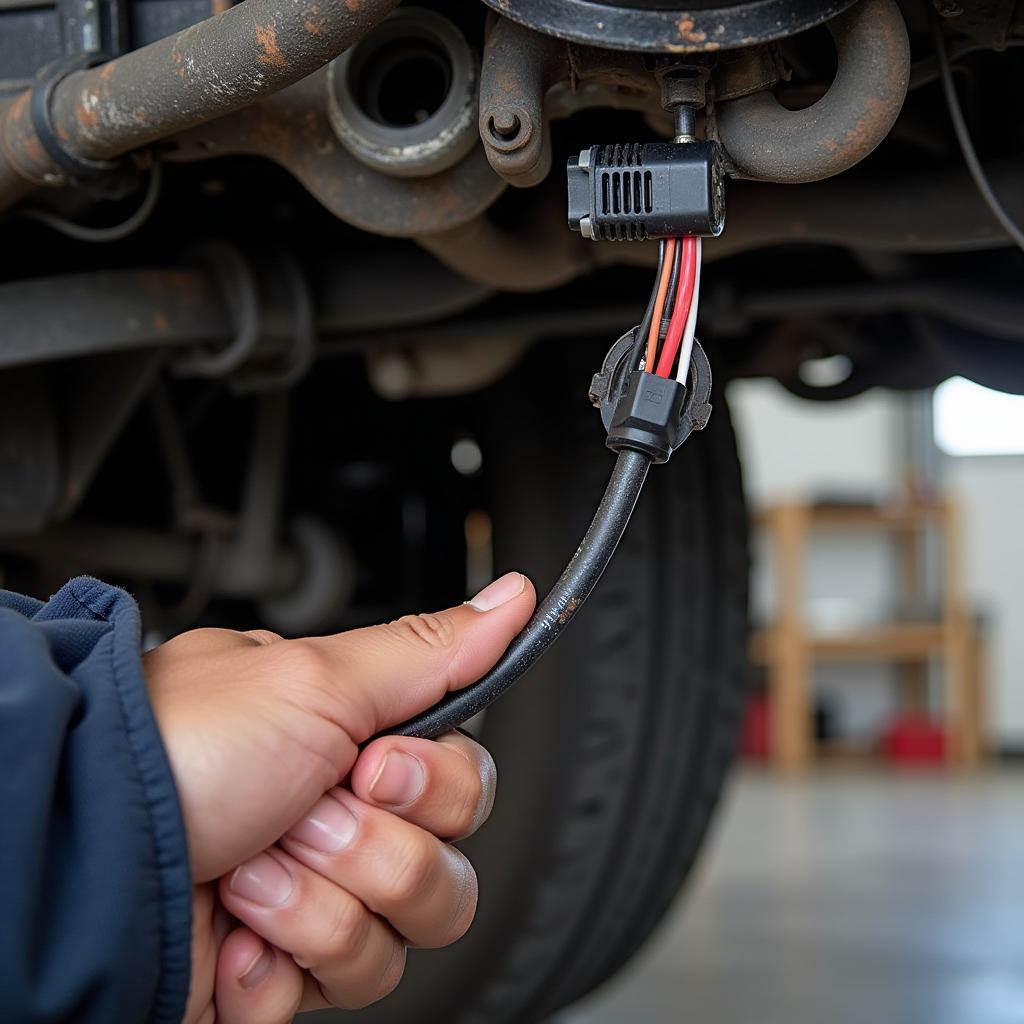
[
  {"x": 646, "y": 413},
  {"x": 653, "y": 190}
]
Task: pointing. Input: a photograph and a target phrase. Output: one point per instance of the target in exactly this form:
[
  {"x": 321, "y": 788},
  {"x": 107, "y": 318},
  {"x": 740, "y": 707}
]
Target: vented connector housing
[{"x": 649, "y": 190}]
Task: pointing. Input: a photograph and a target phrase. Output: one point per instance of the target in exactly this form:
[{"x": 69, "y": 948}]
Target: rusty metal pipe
[
  {"x": 938, "y": 211},
  {"x": 201, "y": 73},
  {"x": 535, "y": 257},
  {"x": 519, "y": 68},
  {"x": 768, "y": 142},
  {"x": 107, "y": 311},
  {"x": 512, "y": 261}
]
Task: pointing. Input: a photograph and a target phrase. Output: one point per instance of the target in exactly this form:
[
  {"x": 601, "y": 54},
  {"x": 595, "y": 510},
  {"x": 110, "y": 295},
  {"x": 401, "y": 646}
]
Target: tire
[{"x": 612, "y": 752}]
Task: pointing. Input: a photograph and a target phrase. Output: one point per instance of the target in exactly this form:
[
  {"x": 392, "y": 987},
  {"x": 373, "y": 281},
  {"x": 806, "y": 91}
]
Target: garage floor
[{"x": 843, "y": 899}]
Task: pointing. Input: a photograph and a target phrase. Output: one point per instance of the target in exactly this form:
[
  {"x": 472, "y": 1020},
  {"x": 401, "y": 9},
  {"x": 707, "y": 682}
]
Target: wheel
[{"x": 612, "y": 752}]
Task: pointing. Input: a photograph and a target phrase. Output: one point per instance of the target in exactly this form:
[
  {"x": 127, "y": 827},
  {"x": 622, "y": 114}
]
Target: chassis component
[
  {"x": 407, "y": 133},
  {"x": 208, "y": 70},
  {"x": 664, "y": 27},
  {"x": 767, "y": 141}
]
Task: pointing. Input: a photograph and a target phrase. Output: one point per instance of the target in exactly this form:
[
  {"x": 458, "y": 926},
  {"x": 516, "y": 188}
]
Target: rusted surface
[
  {"x": 519, "y": 67},
  {"x": 208, "y": 70},
  {"x": 293, "y": 130},
  {"x": 107, "y": 311},
  {"x": 528, "y": 79},
  {"x": 695, "y": 38},
  {"x": 636, "y": 28},
  {"x": 766, "y": 141},
  {"x": 569, "y": 610},
  {"x": 744, "y": 72},
  {"x": 271, "y": 55},
  {"x": 534, "y": 258}
]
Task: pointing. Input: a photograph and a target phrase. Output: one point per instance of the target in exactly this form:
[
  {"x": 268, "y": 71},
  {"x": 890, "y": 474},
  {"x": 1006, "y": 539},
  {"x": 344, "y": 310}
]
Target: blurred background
[{"x": 866, "y": 863}]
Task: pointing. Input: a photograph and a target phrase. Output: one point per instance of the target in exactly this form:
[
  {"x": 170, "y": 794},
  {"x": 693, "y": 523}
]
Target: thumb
[{"x": 386, "y": 674}]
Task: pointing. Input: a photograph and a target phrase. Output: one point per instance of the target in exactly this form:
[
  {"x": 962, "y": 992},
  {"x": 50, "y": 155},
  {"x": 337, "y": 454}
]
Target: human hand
[{"x": 260, "y": 731}]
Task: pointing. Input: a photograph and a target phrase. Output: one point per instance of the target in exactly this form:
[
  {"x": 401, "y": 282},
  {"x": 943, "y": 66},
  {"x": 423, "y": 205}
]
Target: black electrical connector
[
  {"x": 650, "y": 190},
  {"x": 647, "y": 419}
]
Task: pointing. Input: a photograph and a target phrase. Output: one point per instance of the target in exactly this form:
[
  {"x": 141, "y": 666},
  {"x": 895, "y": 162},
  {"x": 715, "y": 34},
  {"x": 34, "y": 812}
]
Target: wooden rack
[{"x": 789, "y": 651}]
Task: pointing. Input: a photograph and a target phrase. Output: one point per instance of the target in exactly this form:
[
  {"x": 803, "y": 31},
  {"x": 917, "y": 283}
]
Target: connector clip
[{"x": 647, "y": 413}]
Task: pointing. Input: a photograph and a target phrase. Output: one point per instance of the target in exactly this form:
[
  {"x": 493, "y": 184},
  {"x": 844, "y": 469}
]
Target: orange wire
[{"x": 659, "y": 305}]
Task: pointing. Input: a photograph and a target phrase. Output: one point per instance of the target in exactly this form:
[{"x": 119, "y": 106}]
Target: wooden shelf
[
  {"x": 868, "y": 517},
  {"x": 911, "y": 641},
  {"x": 789, "y": 649}
]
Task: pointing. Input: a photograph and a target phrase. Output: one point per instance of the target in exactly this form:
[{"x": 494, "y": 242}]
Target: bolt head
[
  {"x": 506, "y": 129},
  {"x": 505, "y": 122}
]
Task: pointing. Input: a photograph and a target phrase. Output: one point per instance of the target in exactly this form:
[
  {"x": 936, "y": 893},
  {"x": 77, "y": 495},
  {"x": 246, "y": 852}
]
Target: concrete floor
[{"x": 843, "y": 899}]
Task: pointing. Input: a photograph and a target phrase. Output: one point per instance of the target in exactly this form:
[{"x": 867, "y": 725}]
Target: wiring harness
[{"x": 653, "y": 391}]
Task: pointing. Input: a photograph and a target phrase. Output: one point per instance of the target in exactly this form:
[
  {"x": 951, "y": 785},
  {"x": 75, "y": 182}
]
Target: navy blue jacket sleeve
[{"x": 95, "y": 895}]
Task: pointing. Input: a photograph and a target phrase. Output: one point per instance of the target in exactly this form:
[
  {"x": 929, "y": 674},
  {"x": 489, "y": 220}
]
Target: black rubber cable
[
  {"x": 963, "y": 137},
  {"x": 554, "y": 613}
]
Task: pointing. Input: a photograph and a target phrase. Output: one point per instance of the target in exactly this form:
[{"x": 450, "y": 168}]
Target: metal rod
[{"x": 201, "y": 73}]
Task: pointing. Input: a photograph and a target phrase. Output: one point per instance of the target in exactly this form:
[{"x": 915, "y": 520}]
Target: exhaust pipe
[{"x": 768, "y": 142}]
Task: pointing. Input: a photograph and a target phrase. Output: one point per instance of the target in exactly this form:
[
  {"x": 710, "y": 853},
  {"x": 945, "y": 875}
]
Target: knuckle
[
  {"x": 414, "y": 872},
  {"x": 304, "y": 660},
  {"x": 346, "y": 932},
  {"x": 435, "y": 632},
  {"x": 263, "y": 637}
]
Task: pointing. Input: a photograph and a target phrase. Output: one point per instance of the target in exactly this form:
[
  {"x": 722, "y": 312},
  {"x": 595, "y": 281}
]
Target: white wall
[
  {"x": 990, "y": 490},
  {"x": 794, "y": 449}
]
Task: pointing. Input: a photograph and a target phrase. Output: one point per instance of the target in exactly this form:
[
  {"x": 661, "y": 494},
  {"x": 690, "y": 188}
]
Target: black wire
[
  {"x": 640, "y": 341},
  {"x": 554, "y": 613},
  {"x": 109, "y": 233},
  {"x": 963, "y": 136},
  {"x": 673, "y": 285}
]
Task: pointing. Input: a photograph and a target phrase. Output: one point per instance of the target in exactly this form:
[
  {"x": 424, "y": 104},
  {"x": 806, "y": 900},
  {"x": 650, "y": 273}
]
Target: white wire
[{"x": 683, "y": 373}]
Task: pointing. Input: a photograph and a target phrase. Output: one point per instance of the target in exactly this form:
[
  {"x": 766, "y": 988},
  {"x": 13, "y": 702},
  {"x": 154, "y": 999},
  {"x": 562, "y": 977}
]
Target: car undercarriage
[{"x": 287, "y": 292}]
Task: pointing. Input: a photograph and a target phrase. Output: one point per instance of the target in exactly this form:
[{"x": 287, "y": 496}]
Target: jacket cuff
[{"x": 161, "y": 796}]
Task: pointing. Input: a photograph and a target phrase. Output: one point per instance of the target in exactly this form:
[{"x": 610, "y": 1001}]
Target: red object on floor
[
  {"x": 915, "y": 739},
  {"x": 756, "y": 738}
]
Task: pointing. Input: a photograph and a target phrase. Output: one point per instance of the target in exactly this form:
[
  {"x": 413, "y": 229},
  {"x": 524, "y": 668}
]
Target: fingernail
[
  {"x": 399, "y": 779},
  {"x": 262, "y": 880},
  {"x": 499, "y": 592},
  {"x": 329, "y": 827},
  {"x": 258, "y": 970}
]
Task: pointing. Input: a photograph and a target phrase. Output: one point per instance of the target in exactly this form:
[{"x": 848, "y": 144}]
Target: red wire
[{"x": 681, "y": 310}]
